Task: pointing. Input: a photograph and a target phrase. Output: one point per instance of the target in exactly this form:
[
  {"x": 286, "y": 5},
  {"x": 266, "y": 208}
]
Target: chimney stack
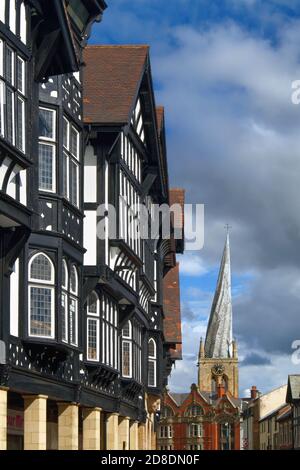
[{"x": 254, "y": 392}]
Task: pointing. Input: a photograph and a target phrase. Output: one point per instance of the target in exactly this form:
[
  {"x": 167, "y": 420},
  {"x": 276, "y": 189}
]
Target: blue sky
[{"x": 223, "y": 69}]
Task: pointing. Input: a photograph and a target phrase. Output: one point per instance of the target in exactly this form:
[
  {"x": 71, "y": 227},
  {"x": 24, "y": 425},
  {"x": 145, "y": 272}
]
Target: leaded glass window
[{"x": 41, "y": 296}]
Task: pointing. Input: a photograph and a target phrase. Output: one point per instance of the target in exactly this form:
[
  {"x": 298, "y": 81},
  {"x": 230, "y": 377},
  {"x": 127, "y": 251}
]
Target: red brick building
[
  {"x": 208, "y": 417},
  {"x": 194, "y": 421}
]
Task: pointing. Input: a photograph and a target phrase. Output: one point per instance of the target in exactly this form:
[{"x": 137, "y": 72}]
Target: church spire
[{"x": 218, "y": 342}]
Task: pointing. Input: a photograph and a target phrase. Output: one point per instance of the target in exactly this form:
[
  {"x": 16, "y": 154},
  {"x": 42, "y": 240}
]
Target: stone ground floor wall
[{"x": 33, "y": 422}]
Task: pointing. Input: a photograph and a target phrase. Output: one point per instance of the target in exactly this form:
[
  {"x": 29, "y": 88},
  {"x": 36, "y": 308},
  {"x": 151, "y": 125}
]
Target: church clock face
[{"x": 218, "y": 369}]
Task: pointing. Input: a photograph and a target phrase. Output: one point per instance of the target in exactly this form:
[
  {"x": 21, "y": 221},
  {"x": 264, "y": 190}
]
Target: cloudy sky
[{"x": 223, "y": 69}]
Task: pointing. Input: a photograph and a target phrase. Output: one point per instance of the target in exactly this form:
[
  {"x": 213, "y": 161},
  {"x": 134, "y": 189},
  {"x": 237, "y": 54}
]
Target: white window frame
[
  {"x": 23, "y": 23},
  {"x": 41, "y": 284},
  {"x": 74, "y": 297},
  {"x": 53, "y": 112},
  {"x": 127, "y": 340},
  {"x": 2, "y": 99},
  {"x": 20, "y": 99},
  {"x": 22, "y": 91},
  {"x": 65, "y": 295},
  {"x": 93, "y": 319},
  {"x": 199, "y": 429},
  {"x": 73, "y": 128},
  {"x": 12, "y": 16},
  {"x": 153, "y": 360},
  {"x": 47, "y": 143},
  {"x": 92, "y": 316}
]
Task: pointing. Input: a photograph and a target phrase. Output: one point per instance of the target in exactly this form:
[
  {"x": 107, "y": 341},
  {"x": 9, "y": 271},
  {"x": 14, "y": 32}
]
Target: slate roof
[{"x": 112, "y": 77}]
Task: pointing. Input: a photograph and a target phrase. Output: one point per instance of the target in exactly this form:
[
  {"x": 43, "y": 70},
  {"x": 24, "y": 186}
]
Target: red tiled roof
[
  {"x": 111, "y": 79},
  {"x": 172, "y": 320}
]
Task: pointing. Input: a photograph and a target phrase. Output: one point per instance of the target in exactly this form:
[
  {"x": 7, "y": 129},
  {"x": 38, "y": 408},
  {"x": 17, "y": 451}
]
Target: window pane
[
  {"x": 73, "y": 322},
  {"x": 20, "y": 75},
  {"x": 23, "y": 23},
  {"x": 47, "y": 123},
  {"x": 40, "y": 311},
  {"x": 151, "y": 374},
  {"x": 64, "y": 279},
  {"x": 46, "y": 167},
  {"x": 93, "y": 339},
  {"x": 74, "y": 142},
  {"x": 10, "y": 116},
  {"x": 65, "y": 170},
  {"x": 66, "y": 134},
  {"x": 41, "y": 269},
  {"x": 2, "y": 108},
  {"x": 126, "y": 359},
  {"x": 73, "y": 280},
  {"x": 20, "y": 124},
  {"x": 64, "y": 317},
  {"x": 126, "y": 331},
  {"x": 74, "y": 183},
  {"x": 9, "y": 65},
  {"x": 93, "y": 303},
  {"x": 151, "y": 348}
]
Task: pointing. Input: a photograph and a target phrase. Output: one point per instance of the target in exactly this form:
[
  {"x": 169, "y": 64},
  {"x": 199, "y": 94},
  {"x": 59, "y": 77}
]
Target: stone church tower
[{"x": 218, "y": 358}]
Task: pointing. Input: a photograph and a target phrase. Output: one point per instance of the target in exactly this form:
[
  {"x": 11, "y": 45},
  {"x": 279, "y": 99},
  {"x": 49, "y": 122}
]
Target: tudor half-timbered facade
[
  {"x": 126, "y": 175},
  {"x": 86, "y": 339}
]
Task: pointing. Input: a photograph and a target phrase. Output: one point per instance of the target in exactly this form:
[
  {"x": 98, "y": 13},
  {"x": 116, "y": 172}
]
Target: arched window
[
  {"x": 194, "y": 410},
  {"x": 41, "y": 296},
  {"x": 64, "y": 301},
  {"x": 127, "y": 350},
  {"x": 93, "y": 322},
  {"x": 152, "y": 356},
  {"x": 73, "y": 306}
]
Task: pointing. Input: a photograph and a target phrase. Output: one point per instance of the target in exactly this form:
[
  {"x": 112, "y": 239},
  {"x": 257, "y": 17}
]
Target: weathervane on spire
[{"x": 228, "y": 227}]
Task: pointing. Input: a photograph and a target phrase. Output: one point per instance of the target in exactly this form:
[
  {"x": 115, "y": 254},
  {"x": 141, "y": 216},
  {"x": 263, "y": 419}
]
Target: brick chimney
[{"x": 254, "y": 392}]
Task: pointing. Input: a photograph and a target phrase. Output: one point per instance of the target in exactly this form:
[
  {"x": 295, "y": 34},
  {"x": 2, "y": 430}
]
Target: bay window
[
  {"x": 102, "y": 330},
  {"x": 41, "y": 296},
  {"x": 152, "y": 357},
  {"x": 71, "y": 160},
  {"x": 12, "y": 97},
  {"x": 47, "y": 150}
]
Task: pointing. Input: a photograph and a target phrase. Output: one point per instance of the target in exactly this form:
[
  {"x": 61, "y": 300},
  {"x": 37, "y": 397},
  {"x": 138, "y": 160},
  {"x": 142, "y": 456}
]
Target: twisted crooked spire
[{"x": 218, "y": 342}]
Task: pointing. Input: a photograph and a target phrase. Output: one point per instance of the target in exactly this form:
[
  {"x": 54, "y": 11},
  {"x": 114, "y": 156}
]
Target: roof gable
[
  {"x": 293, "y": 388},
  {"x": 112, "y": 79}
]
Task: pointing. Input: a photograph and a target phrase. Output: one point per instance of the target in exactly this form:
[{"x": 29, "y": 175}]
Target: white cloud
[{"x": 192, "y": 264}]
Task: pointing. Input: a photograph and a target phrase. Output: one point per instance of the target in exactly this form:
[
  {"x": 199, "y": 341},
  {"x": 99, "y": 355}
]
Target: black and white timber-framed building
[{"x": 83, "y": 356}]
